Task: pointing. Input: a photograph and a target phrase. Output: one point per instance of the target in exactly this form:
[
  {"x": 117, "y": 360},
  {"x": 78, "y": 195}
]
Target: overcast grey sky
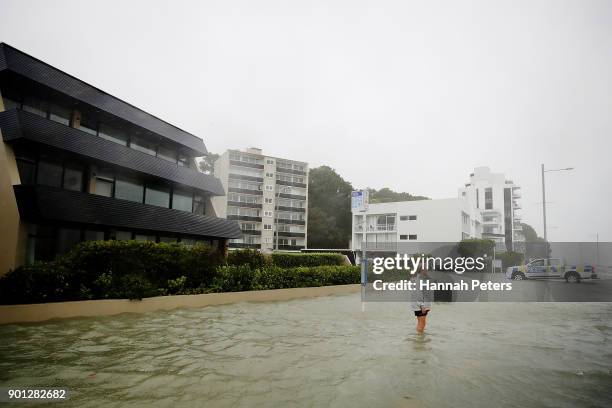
[{"x": 409, "y": 95}]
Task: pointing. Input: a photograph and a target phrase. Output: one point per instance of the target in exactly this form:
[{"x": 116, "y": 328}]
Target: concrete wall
[
  {"x": 108, "y": 307},
  {"x": 13, "y": 234}
]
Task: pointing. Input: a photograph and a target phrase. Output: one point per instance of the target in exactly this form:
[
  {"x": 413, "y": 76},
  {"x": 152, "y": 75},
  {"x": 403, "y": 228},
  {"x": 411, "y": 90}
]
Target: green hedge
[
  {"x": 294, "y": 260},
  {"x": 134, "y": 270}
]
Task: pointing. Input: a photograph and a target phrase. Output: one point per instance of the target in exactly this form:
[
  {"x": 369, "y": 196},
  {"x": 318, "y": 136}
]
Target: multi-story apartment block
[
  {"x": 485, "y": 208},
  {"x": 267, "y": 195},
  {"x": 388, "y": 224},
  {"x": 79, "y": 164},
  {"x": 497, "y": 198}
]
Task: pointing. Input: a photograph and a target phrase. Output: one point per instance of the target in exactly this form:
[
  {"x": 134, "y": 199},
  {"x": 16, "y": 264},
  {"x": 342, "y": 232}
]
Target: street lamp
[{"x": 544, "y": 196}]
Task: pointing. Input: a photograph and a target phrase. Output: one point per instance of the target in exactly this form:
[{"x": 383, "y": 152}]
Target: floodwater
[{"x": 322, "y": 352}]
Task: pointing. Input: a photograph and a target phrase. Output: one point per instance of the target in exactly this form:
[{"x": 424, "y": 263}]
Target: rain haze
[{"x": 408, "y": 95}]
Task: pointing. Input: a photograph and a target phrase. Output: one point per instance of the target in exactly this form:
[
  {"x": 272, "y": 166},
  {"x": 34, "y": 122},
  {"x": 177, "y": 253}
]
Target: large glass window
[
  {"x": 182, "y": 200},
  {"x": 88, "y": 125},
  {"x": 488, "y": 198},
  {"x": 143, "y": 145},
  {"x": 73, "y": 177},
  {"x": 199, "y": 205},
  {"x": 167, "y": 152},
  {"x": 49, "y": 172},
  {"x": 129, "y": 190},
  {"x": 113, "y": 134},
  {"x": 158, "y": 195},
  {"x": 93, "y": 235},
  {"x": 59, "y": 114},
  {"x": 36, "y": 106},
  {"x": 66, "y": 239},
  {"x": 123, "y": 235},
  {"x": 11, "y": 103},
  {"x": 27, "y": 170}
]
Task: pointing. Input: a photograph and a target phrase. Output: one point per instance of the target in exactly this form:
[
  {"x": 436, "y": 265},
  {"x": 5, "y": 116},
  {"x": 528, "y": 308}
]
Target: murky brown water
[{"x": 322, "y": 352}]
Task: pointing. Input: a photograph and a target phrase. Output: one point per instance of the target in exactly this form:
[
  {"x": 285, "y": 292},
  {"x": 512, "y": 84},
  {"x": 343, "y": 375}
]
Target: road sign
[{"x": 360, "y": 200}]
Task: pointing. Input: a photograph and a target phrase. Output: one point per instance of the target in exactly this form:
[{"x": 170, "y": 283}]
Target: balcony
[
  {"x": 243, "y": 218},
  {"x": 381, "y": 227},
  {"x": 244, "y": 191},
  {"x": 50, "y": 204},
  {"x": 292, "y": 196},
  {"x": 517, "y": 227},
  {"x": 291, "y": 234},
  {"x": 246, "y": 164},
  {"x": 244, "y": 245},
  {"x": 235, "y": 176},
  {"x": 243, "y": 204},
  {"x": 290, "y": 171},
  {"x": 294, "y": 209},
  {"x": 516, "y": 206},
  {"x": 251, "y": 232},
  {"x": 290, "y": 183},
  {"x": 19, "y": 126},
  {"x": 287, "y": 221},
  {"x": 291, "y": 247}
]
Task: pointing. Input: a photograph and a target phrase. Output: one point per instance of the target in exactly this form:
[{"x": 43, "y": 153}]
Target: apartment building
[
  {"x": 385, "y": 225},
  {"x": 267, "y": 195},
  {"x": 497, "y": 198},
  {"x": 486, "y": 207},
  {"x": 79, "y": 164}
]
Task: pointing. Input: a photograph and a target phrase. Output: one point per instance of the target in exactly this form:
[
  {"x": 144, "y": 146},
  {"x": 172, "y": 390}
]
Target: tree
[
  {"x": 207, "y": 164},
  {"x": 386, "y": 195},
  {"x": 329, "y": 209},
  {"x": 535, "y": 247}
]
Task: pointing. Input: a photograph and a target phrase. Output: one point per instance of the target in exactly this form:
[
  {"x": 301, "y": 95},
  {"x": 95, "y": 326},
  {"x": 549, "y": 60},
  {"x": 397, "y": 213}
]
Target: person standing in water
[{"x": 421, "y": 301}]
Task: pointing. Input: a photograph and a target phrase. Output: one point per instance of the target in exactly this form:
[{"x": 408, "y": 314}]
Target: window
[
  {"x": 73, "y": 177},
  {"x": 123, "y": 235},
  {"x": 158, "y": 195},
  {"x": 188, "y": 241},
  {"x": 199, "y": 205},
  {"x": 167, "y": 239},
  {"x": 88, "y": 125},
  {"x": 35, "y": 106},
  {"x": 412, "y": 237},
  {"x": 66, "y": 239},
  {"x": 182, "y": 200},
  {"x": 143, "y": 145},
  {"x": 270, "y": 161},
  {"x": 269, "y": 188},
  {"x": 412, "y": 217},
  {"x": 182, "y": 160},
  {"x": 60, "y": 114},
  {"x": 11, "y": 103},
  {"x": 267, "y": 226},
  {"x": 113, "y": 134},
  {"x": 104, "y": 185},
  {"x": 403, "y": 218},
  {"x": 267, "y": 213},
  {"x": 129, "y": 190},
  {"x": 270, "y": 175},
  {"x": 49, "y": 172},
  {"x": 403, "y": 237},
  {"x": 167, "y": 152},
  {"x": 488, "y": 198},
  {"x": 27, "y": 170},
  {"x": 91, "y": 235},
  {"x": 268, "y": 201},
  {"x": 142, "y": 237}
]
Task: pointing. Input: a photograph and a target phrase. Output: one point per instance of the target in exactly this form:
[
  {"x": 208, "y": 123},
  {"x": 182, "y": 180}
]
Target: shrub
[
  {"x": 255, "y": 259},
  {"x": 37, "y": 283},
  {"x": 510, "y": 258},
  {"x": 293, "y": 260},
  {"x": 235, "y": 278}
]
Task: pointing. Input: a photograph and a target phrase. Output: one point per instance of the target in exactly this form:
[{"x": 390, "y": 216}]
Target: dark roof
[
  {"x": 21, "y": 63},
  {"x": 41, "y": 203},
  {"x": 17, "y": 125}
]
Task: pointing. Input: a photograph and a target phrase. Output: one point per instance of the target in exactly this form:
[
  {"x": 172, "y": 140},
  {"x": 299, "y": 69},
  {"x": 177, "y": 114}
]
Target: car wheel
[
  {"x": 572, "y": 277},
  {"x": 518, "y": 276}
]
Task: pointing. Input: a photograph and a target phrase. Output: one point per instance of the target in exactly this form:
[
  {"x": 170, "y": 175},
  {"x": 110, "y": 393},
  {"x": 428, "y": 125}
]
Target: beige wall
[
  {"x": 12, "y": 233},
  {"x": 108, "y": 307}
]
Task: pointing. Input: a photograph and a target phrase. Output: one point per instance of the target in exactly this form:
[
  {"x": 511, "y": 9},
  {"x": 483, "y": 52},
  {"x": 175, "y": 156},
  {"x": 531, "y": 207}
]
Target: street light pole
[{"x": 544, "y": 204}]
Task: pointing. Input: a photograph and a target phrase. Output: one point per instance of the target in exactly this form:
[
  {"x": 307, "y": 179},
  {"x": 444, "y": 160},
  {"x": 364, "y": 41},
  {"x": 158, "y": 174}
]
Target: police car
[{"x": 551, "y": 268}]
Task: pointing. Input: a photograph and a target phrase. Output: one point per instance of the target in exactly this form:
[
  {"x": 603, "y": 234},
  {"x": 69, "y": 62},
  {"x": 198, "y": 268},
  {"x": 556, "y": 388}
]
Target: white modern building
[
  {"x": 267, "y": 195},
  {"x": 497, "y": 198},
  {"x": 442, "y": 220},
  {"x": 486, "y": 207}
]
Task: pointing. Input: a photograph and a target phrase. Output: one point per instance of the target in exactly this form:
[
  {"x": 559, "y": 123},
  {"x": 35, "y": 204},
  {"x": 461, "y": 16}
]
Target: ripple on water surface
[{"x": 322, "y": 351}]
